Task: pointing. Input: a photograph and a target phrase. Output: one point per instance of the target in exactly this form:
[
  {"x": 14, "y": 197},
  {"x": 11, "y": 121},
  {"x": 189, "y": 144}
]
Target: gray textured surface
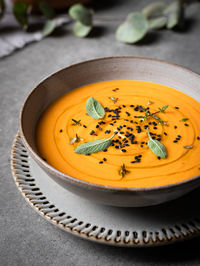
[{"x": 25, "y": 237}]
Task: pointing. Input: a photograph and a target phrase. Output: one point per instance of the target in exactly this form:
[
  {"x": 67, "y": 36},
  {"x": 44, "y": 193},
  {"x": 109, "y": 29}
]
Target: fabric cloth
[{"x": 13, "y": 37}]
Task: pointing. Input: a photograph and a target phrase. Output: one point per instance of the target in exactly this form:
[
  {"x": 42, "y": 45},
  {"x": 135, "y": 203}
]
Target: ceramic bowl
[{"x": 102, "y": 69}]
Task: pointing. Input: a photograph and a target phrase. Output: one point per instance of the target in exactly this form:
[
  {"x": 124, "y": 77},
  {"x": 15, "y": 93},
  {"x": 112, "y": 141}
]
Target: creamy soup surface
[{"x": 177, "y": 127}]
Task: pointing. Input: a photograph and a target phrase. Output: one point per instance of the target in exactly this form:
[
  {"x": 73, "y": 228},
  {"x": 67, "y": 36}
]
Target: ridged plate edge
[{"x": 39, "y": 202}]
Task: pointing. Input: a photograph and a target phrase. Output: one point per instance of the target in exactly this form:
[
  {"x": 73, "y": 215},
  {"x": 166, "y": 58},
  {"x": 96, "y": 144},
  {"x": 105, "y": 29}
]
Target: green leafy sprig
[
  {"x": 83, "y": 20},
  {"x": 149, "y": 114}
]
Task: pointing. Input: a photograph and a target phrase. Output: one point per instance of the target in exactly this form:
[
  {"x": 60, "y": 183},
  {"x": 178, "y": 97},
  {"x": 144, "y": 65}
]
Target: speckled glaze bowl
[{"x": 102, "y": 69}]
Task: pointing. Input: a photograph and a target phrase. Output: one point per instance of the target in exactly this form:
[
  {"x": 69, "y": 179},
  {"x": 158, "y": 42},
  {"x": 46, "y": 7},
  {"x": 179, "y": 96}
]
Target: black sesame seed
[
  {"x": 155, "y": 128},
  {"x": 179, "y": 136},
  {"x": 123, "y": 150},
  {"x": 61, "y": 130},
  {"x": 131, "y": 105},
  {"x": 104, "y": 159},
  {"x": 97, "y": 126},
  {"x": 186, "y": 125},
  {"x": 198, "y": 138},
  {"x": 105, "y": 150},
  {"x": 158, "y": 157},
  {"x": 84, "y": 126},
  {"x": 175, "y": 141},
  {"x": 175, "y": 127},
  {"x": 124, "y": 105},
  {"x": 100, "y": 162},
  {"x": 176, "y": 107},
  {"x": 165, "y": 133}
]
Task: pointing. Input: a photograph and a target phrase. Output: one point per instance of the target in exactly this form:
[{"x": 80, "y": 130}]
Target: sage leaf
[
  {"x": 185, "y": 119},
  {"x": 20, "y": 10},
  {"x": 94, "y": 146},
  {"x": 2, "y": 8},
  {"x": 94, "y": 108},
  {"x": 154, "y": 10},
  {"x": 156, "y": 147},
  {"x": 157, "y": 23},
  {"x": 49, "y": 27},
  {"x": 175, "y": 14},
  {"x": 46, "y": 10},
  {"x": 81, "y": 30},
  {"x": 81, "y": 14},
  {"x": 133, "y": 29}
]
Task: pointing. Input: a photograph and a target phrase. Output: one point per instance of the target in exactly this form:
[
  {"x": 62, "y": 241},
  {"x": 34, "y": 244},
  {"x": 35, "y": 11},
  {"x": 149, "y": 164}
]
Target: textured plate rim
[{"x": 86, "y": 230}]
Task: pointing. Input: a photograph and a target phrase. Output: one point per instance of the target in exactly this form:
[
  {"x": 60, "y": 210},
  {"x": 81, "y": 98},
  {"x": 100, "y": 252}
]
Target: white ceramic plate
[{"x": 147, "y": 226}]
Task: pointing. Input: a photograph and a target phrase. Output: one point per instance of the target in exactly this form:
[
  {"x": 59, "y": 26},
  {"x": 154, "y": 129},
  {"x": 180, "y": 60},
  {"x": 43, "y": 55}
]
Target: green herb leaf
[
  {"x": 156, "y": 146},
  {"x": 164, "y": 108},
  {"x": 46, "y": 9},
  {"x": 185, "y": 119},
  {"x": 94, "y": 108},
  {"x": 175, "y": 14},
  {"x": 20, "y": 10},
  {"x": 133, "y": 29},
  {"x": 157, "y": 23},
  {"x": 94, "y": 146},
  {"x": 49, "y": 27},
  {"x": 154, "y": 10},
  {"x": 81, "y": 30},
  {"x": 81, "y": 14},
  {"x": 2, "y": 8}
]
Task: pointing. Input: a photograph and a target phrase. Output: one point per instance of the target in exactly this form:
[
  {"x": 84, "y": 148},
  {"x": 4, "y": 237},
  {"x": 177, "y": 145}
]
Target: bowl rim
[{"x": 80, "y": 182}]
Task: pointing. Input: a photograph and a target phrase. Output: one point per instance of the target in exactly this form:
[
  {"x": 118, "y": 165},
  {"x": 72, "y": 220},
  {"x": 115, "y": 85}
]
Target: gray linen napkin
[{"x": 12, "y": 36}]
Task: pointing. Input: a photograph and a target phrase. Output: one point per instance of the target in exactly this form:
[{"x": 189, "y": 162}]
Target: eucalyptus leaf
[
  {"x": 81, "y": 14},
  {"x": 133, "y": 29},
  {"x": 2, "y": 8},
  {"x": 154, "y": 10},
  {"x": 94, "y": 108},
  {"x": 46, "y": 10},
  {"x": 20, "y": 10},
  {"x": 49, "y": 27},
  {"x": 94, "y": 146},
  {"x": 157, "y": 23},
  {"x": 175, "y": 14},
  {"x": 81, "y": 30},
  {"x": 156, "y": 147}
]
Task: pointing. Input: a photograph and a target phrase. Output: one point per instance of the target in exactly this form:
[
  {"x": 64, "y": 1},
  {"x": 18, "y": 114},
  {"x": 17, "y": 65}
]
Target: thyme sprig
[
  {"x": 123, "y": 171},
  {"x": 114, "y": 99},
  {"x": 75, "y": 139},
  {"x": 76, "y": 122},
  {"x": 149, "y": 114}
]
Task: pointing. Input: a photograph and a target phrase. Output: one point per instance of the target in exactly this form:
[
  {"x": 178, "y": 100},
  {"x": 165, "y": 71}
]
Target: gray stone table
[{"x": 25, "y": 237}]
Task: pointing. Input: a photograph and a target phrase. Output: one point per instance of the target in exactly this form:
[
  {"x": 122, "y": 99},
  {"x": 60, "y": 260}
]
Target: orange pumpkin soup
[{"x": 136, "y": 111}]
